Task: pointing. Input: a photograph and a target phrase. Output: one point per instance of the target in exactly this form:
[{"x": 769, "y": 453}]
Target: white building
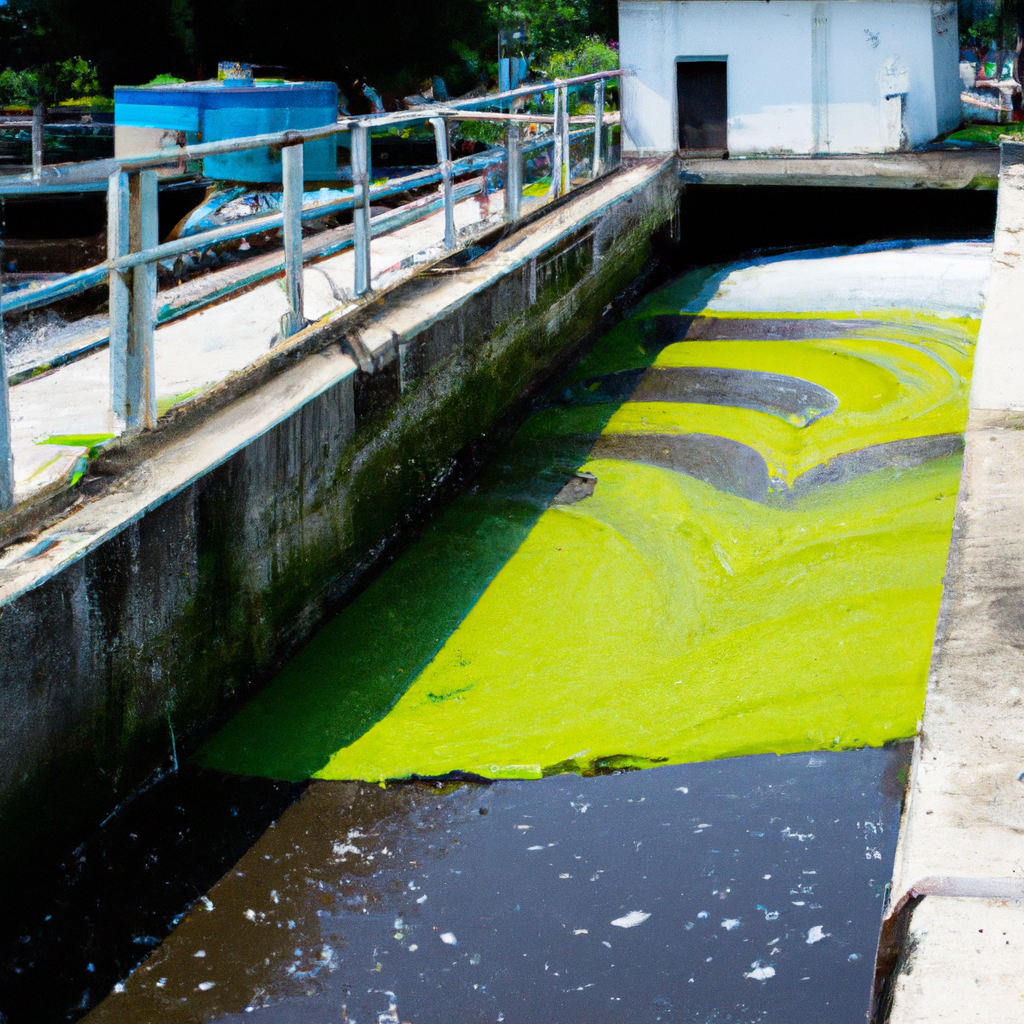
[{"x": 779, "y": 77}]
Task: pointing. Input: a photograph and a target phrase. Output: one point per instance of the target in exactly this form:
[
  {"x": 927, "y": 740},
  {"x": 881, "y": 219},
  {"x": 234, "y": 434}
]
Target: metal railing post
[
  {"x": 6, "y": 441},
  {"x": 597, "y": 167},
  {"x": 361, "y": 210},
  {"x": 556, "y": 144},
  {"x": 292, "y": 183},
  {"x": 119, "y": 303},
  {"x": 444, "y": 161},
  {"x": 38, "y": 139},
  {"x": 143, "y": 233},
  {"x": 513, "y": 173},
  {"x": 565, "y": 184}
]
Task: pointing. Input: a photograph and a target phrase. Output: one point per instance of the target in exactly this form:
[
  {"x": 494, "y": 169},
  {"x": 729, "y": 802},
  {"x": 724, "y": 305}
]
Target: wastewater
[{"x": 622, "y": 733}]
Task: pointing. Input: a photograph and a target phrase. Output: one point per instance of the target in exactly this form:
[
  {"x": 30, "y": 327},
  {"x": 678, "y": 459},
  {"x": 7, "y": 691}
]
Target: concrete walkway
[
  {"x": 959, "y": 870},
  {"x": 55, "y": 416},
  {"x": 178, "y": 462},
  {"x": 936, "y": 169}
]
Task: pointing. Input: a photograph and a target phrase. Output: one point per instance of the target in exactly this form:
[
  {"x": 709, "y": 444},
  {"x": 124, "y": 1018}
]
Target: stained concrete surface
[
  {"x": 962, "y": 837},
  {"x": 937, "y": 169},
  {"x": 999, "y": 365},
  {"x": 962, "y": 964},
  {"x": 964, "y": 824}
]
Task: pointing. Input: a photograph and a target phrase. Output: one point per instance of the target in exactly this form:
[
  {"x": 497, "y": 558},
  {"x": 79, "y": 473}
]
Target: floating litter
[{"x": 631, "y": 920}]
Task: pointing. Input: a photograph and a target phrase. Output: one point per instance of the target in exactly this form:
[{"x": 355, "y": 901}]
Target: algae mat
[{"x": 725, "y": 533}]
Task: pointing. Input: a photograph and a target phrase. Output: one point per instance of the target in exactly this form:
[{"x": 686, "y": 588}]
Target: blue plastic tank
[{"x": 147, "y": 117}]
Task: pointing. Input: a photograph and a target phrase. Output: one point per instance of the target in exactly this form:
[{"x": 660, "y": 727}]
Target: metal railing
[{"x": 134, "y": 248}]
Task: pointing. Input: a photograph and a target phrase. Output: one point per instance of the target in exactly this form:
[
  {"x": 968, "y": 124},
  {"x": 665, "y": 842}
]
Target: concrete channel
[
  {"x": 204, "y": 560},
  {"x": 142, "y": 611}
]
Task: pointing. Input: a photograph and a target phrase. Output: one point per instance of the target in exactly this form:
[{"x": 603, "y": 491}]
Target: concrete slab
[
  {"x": 999, "y": 361},
  {"x": 935, "y": 169},
  {"x": 962, "y": 963},
  {"x": 966, "y": 804},
  {"x": 965, "y": 813},
  {"x": 962, "y": 837}
]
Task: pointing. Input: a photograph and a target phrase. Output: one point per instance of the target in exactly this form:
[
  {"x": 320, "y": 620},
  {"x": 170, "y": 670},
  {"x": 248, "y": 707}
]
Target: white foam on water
[{"x": 947, "y": 279}]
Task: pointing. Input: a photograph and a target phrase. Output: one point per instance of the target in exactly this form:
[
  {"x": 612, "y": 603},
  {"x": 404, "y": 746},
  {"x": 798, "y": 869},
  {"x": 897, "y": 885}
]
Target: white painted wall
[{"x": 804, "y": 76}]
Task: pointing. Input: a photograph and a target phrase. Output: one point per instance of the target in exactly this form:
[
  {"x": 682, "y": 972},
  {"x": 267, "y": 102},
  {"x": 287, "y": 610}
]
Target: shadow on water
[
  {"x": 743, "y": 890},
  {"x": 355, "y": 669},
  {"x": 723, "y": 222},
  {"x": 122, "y": 891}
]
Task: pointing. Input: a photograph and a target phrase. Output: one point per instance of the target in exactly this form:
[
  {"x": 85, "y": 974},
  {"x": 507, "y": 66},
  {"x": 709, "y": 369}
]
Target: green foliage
[
  {"x": 17, "y": 88},
  {"x": 68, "y": 79},
  {"x": 52, "y": 83},
  {"x": 999, "y": 26},
  {"x": 587, "y": 58},
  {"x": 89, "y": 103},
  {"x": 490, "y": 133},
  {"x": 165, "y": 80},
  {"x": 552, "y": 26}
]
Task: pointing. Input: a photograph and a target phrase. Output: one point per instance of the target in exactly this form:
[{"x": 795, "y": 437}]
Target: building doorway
[{"x": 702, "y": 104}]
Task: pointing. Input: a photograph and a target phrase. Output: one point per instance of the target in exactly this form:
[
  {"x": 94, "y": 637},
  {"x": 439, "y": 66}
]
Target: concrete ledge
[
  {"x": 962, "y": 963},
  {"x": 959, "y": 873},
  {"x": 197, "y": 569},
  {"x": 965, "y": 810},
  {"x": 998, "y": 381},
  {"x": 933, "y": 169}
]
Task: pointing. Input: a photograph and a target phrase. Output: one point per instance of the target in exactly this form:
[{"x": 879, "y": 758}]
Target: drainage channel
[{"x": 630, "y": 713}]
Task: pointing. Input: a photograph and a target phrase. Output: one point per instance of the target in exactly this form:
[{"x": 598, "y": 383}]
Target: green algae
[
  {"x": 78, "y": 440},
  {"x": 659, "y": 619},
  {"x": 710, "y": 626}
]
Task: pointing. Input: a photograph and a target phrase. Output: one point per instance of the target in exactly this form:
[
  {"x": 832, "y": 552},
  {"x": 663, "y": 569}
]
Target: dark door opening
[{"x": 702, "y": 104}]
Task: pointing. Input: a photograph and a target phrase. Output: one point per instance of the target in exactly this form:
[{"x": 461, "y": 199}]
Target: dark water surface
[{"x": 739, "y": 890}]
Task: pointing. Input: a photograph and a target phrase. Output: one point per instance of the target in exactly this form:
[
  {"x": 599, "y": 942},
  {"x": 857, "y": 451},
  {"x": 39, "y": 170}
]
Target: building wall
[{"x": 803, "y": 76}]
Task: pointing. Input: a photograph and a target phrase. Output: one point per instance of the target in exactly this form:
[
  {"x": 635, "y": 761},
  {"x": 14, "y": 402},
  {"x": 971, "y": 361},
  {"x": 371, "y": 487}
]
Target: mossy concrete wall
[{"x": 173, "y": 617}]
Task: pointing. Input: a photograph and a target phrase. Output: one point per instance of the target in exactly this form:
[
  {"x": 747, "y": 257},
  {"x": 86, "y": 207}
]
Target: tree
[{"x": 554, "y": 26}]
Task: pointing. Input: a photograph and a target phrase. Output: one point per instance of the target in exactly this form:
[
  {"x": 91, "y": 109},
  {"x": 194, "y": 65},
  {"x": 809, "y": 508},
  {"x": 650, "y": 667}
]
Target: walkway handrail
[
  {"x": 100, "y": 170},
  {"x": 133, "y": 247}
]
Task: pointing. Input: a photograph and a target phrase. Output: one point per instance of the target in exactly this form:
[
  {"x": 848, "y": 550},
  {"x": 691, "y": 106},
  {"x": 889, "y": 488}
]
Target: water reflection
[{"x": 731, "y": 891}]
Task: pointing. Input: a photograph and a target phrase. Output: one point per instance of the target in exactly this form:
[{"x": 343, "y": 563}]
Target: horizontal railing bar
[
  {"x": 532, "y": 90},
  {"x": 383, "y": 224},
  {"x": 490, "y": 115},
  {"x": 65, "y": 174},
  {"x": 70, "y": 284},
  {"x": 83, "y": 280}
]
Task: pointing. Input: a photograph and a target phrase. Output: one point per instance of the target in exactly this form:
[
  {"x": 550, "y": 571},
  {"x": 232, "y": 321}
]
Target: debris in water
[
  {"x": 730, "y": 923},
  {"x": 816, "y": 934},
  {"x": 761, "y": 971},
  {"x": 631, "y": 920},
  {"x": 581, "y": 485},
  {"x": 448, "y": 938}
]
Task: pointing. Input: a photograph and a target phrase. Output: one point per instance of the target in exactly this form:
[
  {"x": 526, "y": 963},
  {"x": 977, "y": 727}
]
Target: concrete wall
[
  {"x": 181, "y": 608},
  {"x": 803, "y": 76},
  {"x": 998, "y": 379}
]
